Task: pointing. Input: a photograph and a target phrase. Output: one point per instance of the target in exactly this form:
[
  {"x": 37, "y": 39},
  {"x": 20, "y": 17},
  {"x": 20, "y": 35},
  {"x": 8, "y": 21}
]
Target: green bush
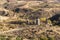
[
  {"x": 51, "y": 38},
  {"x": 18, "y": 38},
  {"x": 2, "y": 38},
  {"x": 43, "y": 38}
]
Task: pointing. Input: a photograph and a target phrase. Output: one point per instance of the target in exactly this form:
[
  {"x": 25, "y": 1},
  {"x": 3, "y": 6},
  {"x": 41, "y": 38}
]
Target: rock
[
  {"x": 12, "y": 6},
  {"x": 3, "y": 18},
  {"x": 3, "y": 13},
  {"x": 25, "y": 39}
]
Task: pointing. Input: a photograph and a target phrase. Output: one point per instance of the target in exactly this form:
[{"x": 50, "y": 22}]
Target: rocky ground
[{"x": 14, "y": 16}]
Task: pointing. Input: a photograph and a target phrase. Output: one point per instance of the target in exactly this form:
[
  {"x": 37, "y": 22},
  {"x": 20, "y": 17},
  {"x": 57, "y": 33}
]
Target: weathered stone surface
[{"x": 15, "y": 15}]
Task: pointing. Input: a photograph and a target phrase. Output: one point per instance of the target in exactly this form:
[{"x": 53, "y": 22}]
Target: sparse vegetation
[
  {"x": 19, "y": 38},
  {"x": 43, "y": 38},
  {"x": 19, "y": 20}
]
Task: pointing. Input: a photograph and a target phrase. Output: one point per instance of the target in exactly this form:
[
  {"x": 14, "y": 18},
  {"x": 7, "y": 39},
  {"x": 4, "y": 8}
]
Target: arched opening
[{"x": 55, "y": 19}]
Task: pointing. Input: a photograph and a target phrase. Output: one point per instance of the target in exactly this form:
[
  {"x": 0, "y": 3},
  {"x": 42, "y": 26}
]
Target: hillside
[{"x": 29, "y": 20}]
